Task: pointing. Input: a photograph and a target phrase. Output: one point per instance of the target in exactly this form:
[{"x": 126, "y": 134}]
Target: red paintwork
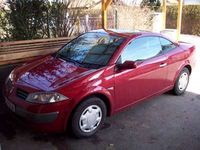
[{"x": 129, "y": 86}]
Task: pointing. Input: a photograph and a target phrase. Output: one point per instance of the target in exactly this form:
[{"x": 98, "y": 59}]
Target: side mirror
[{"x": 127, "y": 65}]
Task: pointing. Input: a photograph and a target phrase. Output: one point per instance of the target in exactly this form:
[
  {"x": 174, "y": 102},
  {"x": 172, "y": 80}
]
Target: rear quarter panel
[{"x": 181, "y": 56}]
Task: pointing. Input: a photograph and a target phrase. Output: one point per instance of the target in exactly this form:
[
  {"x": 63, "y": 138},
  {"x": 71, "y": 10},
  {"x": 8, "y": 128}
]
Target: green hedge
[{"x": 190, "y": 19}]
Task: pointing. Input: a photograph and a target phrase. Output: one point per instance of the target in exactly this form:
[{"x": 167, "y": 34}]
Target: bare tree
[{"x": 64, "y": 16}]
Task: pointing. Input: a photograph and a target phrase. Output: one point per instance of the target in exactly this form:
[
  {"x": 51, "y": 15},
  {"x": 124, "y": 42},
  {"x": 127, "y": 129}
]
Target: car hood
[{"x": 50, "y": 73}]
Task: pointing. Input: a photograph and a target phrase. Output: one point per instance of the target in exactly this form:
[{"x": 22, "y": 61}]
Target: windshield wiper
[
  {"x": 68, "y": 59},
  {"x": 93, "y": 66},
  {"x": 82, "y": 64}
]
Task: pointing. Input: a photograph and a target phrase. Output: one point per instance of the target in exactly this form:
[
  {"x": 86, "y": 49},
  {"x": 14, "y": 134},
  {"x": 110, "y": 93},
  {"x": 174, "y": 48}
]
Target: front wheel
[
  {"x": 88, "y": 117},
  {"x": 182, "y": 82}
]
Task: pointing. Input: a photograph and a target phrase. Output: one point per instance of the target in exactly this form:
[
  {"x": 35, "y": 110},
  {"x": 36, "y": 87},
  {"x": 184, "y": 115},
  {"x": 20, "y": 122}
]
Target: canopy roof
[{"x": 106, "y": 3}]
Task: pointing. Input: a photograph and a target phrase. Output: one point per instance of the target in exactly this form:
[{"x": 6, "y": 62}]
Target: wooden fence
[{"x": 20, "y": 51}]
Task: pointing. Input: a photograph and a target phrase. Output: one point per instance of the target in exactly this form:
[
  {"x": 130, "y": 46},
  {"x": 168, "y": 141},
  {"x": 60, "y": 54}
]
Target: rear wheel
[
  {"x": 88, "y": 117},
  {"x": 182, "y": 82}
]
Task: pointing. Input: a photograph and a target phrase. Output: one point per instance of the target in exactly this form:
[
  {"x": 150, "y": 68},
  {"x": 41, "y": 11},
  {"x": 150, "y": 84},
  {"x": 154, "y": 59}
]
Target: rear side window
[
  {"x": 166, "y": 44},
  {"x": 141, "y": 49}
]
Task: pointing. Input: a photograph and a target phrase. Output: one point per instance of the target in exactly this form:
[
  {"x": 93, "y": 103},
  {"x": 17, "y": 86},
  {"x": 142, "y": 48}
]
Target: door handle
[{"x": 163, "y": 65}]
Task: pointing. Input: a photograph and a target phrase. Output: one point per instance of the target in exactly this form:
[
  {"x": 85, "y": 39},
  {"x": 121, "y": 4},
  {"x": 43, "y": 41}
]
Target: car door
[
  {"x": 149, "y": 76},
  {"x": 175, "y": 57}
]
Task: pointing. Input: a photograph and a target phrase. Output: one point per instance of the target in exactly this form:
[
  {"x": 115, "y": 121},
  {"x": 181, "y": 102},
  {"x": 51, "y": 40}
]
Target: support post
[
  {"x": 164, "y": 12},
  {"x": 179, "y": 19},
  {"x": 104, "y": 14},
  {"x": 104, "y": 7}
]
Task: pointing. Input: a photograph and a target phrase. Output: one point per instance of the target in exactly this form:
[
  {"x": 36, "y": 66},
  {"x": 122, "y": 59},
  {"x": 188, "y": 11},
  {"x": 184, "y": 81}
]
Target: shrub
[
  {"x": 190, "y": 19},
  {"x": 130, "y": 17},
  {"x": 26, "y": 18},
  {"x": 35, "y": 19}
]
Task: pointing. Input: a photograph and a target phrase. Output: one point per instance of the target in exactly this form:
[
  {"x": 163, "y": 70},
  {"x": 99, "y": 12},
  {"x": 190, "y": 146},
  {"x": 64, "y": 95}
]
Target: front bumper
[
  {"x": 40, "y": 117},
  {"x": 29, "y": 116},
  {"x": 36, "y": 118}
]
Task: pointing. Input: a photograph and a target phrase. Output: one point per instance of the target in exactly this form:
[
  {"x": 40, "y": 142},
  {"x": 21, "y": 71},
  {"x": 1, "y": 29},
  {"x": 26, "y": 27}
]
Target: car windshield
[{"x": 91, "y": 50}]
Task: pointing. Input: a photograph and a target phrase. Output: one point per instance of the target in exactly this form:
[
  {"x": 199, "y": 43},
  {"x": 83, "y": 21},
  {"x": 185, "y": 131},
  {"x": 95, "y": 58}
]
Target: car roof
[{"x": 126, "y": 33}]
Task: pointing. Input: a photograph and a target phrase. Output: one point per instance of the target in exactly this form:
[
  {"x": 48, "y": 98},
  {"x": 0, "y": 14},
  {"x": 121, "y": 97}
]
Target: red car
[{"x": 96, "y": 75}]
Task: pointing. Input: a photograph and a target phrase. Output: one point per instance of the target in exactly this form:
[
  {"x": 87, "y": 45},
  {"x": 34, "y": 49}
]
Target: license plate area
[{"x": 10, "y": 105}]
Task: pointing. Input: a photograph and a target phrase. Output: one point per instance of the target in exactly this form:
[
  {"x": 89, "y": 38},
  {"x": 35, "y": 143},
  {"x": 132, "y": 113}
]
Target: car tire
[
  {"x": 88, "y": 117},
  {"x": 181, "y": 82}
]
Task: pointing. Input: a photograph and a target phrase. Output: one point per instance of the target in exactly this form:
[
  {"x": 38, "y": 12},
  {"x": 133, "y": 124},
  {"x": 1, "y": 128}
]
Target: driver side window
[{"x": 141, "y": 49}]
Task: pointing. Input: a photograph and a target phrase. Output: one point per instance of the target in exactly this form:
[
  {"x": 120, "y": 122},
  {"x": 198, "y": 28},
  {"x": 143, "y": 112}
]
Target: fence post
[
  {"x": 164, "y": 11},
  {"x": 86, "y": 23},
  {"x": 116, "y": 19},
  {"x": 78, "y": 25}
]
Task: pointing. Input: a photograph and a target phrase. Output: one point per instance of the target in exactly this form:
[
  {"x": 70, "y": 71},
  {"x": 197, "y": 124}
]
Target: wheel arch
[
  {"x": 102, "y": 96},
  {"x": 185, "y": 65},
  {"x": 188, "y": 67},
  {"x": 176, "y": 88}
]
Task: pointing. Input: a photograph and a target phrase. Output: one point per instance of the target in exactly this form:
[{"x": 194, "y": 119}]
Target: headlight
[
  {"x": 11, "y": 76},
  {"x": 45, "y": 97}
]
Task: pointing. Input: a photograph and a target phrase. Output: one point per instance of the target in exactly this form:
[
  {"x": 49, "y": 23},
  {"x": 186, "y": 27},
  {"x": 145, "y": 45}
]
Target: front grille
[
  {"x": 9, "y": 85},
  {"x": 21, "y": 94}
]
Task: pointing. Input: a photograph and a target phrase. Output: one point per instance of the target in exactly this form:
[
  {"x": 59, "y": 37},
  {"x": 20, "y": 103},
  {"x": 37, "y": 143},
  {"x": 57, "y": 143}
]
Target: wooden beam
[
  {"x": 179, "y": 19},
  {"x": 104, "y": 14},
  {"x": 104, "y": 7},
  {"x": 108, "y": 2},
  {"x": 164, "y": 12}
]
